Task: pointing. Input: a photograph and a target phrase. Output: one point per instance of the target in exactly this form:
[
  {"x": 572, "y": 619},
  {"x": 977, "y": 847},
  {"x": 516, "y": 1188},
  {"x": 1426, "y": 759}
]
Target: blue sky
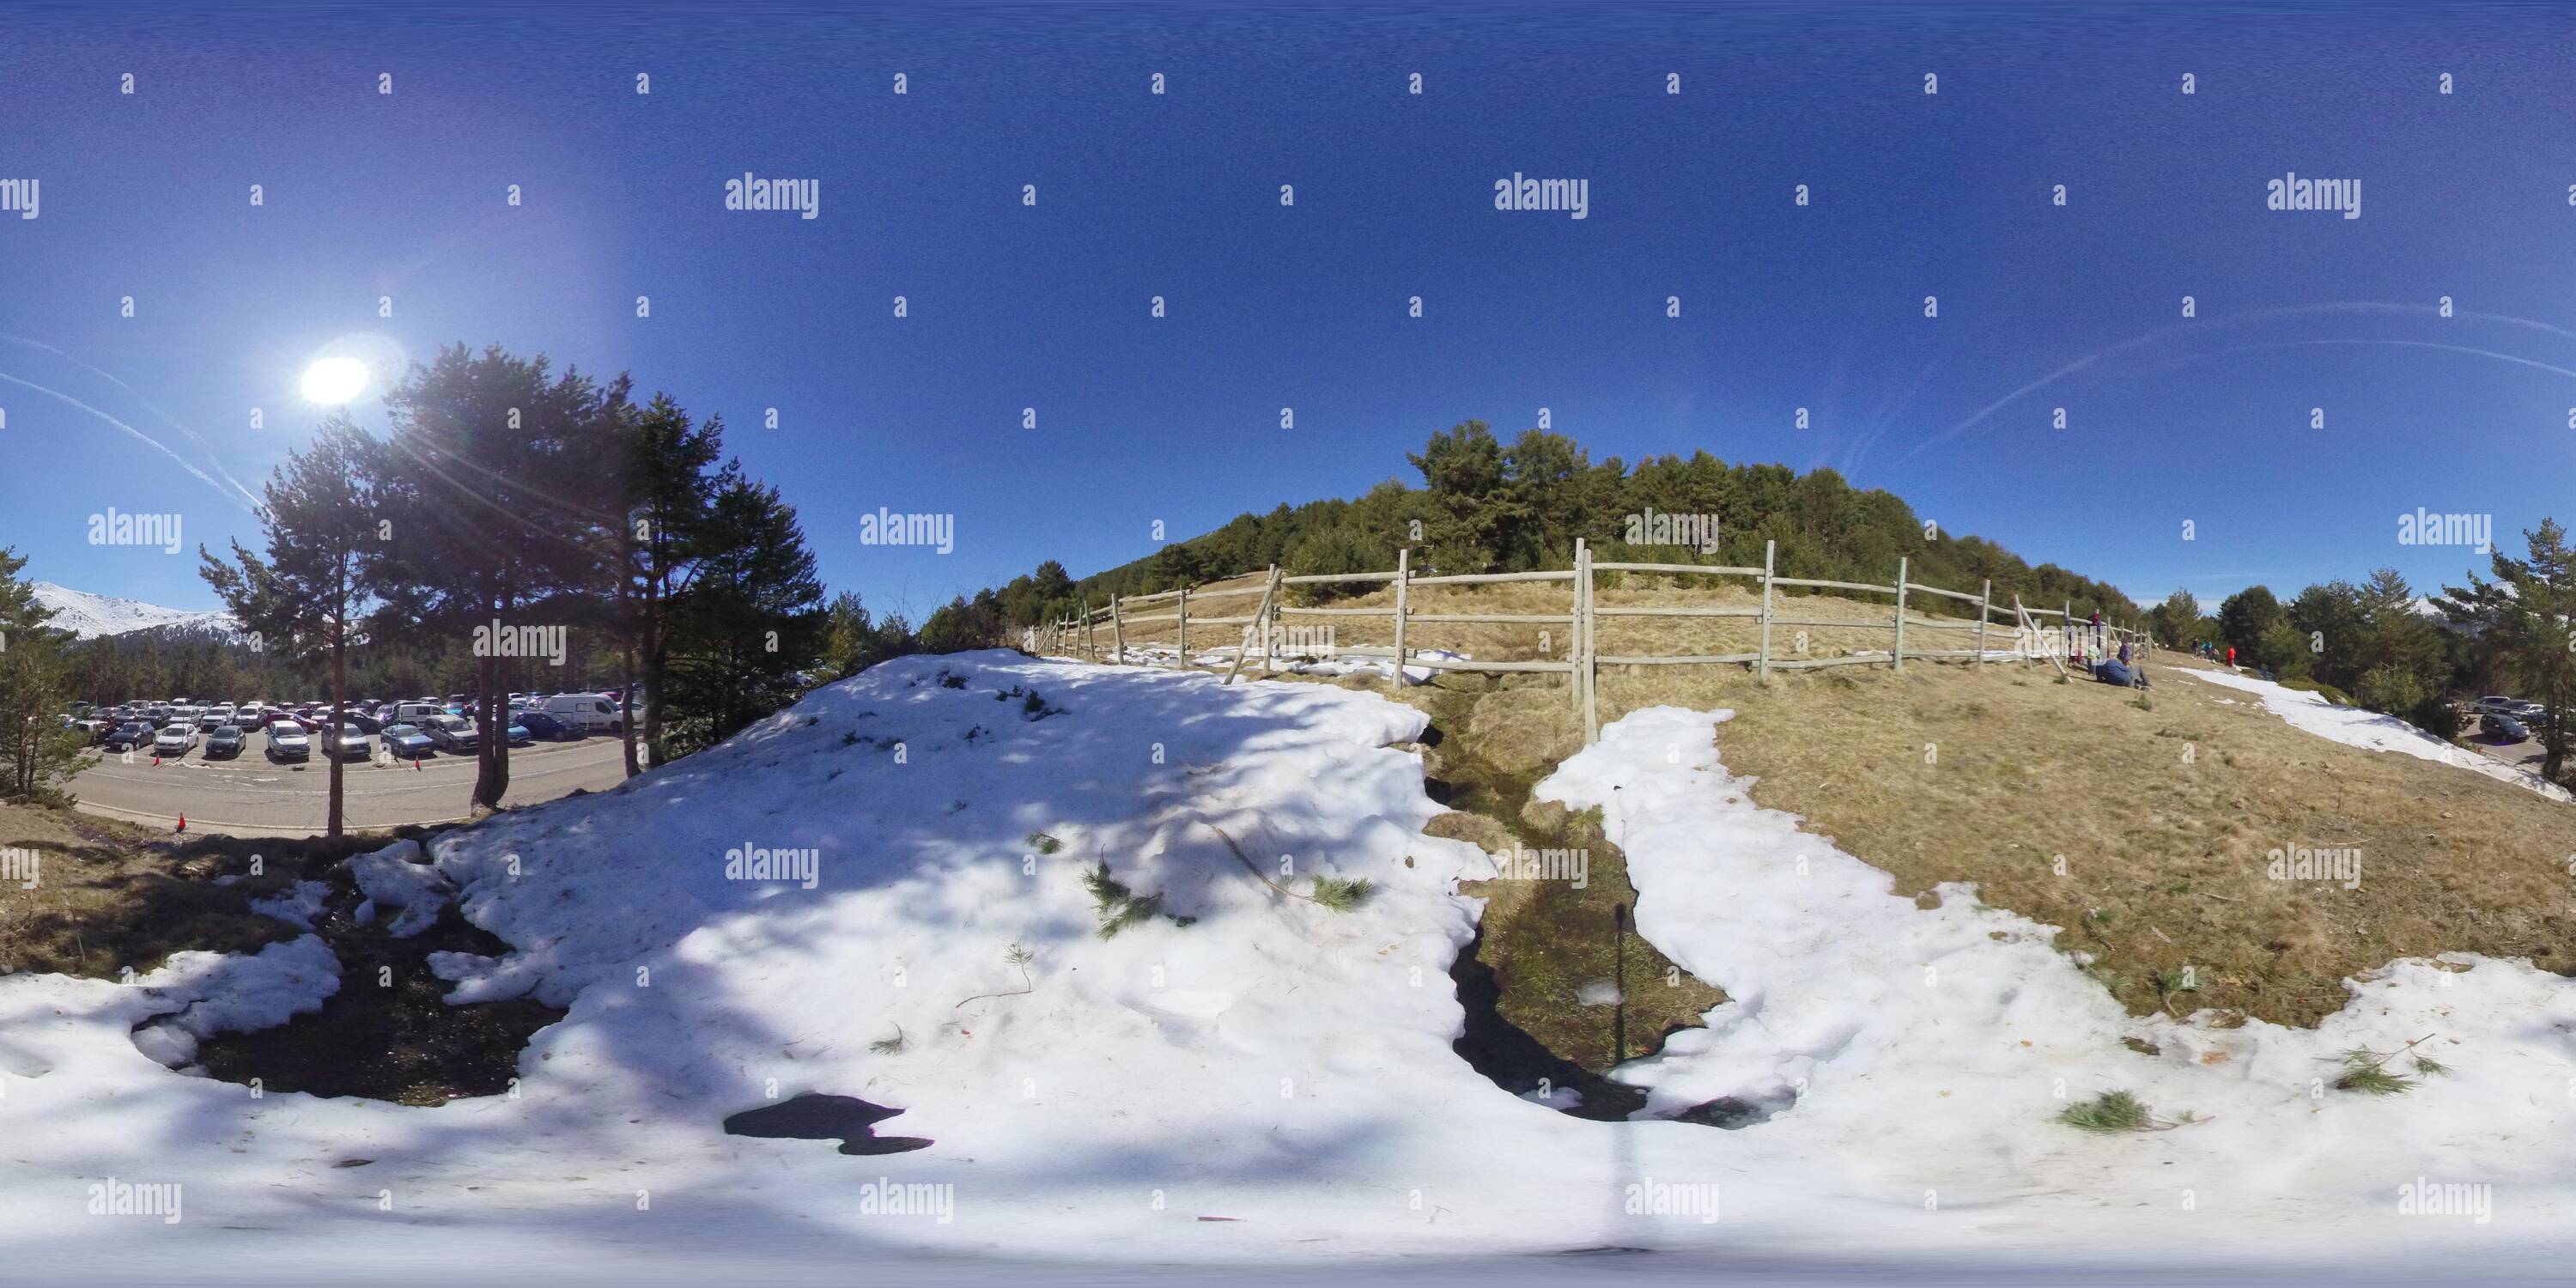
[{"x": 2205, "y": 421}]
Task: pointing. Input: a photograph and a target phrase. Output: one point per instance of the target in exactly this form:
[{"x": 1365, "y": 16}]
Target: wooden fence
[{"x": 2031, "y": 637}]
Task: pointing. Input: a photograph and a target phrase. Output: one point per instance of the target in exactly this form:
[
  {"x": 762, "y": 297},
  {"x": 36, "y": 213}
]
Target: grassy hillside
[{"x": 1484, "y": 506}]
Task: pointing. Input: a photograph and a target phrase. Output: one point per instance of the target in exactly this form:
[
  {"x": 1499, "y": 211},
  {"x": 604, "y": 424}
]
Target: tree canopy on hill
[{"x": 1485, "y": 506}]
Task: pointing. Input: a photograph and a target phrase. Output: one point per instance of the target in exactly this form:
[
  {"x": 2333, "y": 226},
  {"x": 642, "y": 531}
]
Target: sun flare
[{"x": 332, "y": 381}]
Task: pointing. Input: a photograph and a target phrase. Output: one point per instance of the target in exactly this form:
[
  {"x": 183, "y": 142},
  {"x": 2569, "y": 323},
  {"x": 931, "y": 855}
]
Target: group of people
[{"x": 2121, "y": 670}]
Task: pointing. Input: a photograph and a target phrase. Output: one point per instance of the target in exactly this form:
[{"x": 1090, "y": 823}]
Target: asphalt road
[
  {"x": 253, "y": 796},
  {"x": 2527, "y": 754}
]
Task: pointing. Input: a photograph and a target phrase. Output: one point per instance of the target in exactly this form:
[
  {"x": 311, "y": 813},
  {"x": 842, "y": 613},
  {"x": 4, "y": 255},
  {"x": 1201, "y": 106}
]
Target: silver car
[{"x": 350, "y": 745}]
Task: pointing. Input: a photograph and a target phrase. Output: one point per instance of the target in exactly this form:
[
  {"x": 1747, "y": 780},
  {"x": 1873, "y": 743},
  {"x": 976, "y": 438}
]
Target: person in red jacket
[{"x": 2231, "y": 657}]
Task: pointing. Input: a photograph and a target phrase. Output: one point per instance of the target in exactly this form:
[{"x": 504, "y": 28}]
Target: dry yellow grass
[
  {"x": 1619, "y": 636},
  {"x": 110, "y": 895}
]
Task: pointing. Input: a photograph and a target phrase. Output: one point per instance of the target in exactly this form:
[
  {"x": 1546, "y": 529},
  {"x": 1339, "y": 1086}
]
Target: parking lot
[{"x": 251, "y": 795}]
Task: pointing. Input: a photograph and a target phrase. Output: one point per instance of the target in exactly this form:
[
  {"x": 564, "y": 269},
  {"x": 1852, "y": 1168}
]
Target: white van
[
  {"x": 588, "y": 712},
  {"x": 415, "y": 712}
]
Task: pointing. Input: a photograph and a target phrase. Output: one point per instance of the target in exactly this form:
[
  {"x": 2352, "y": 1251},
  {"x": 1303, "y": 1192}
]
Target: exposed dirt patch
[
  {"x": 1558, "y": 986},
  {"x": 388, "y": 1034},
  {"x": 109, "y": 896}
]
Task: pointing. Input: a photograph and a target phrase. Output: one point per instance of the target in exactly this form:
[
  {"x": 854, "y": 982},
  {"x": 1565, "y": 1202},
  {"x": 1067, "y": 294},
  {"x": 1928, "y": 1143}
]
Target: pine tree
[
  {"x": 486, "y": 498},
  {"x": 751, "y": 628},
  {"x": 667, "y": 484},
  {"x": 37, "y": 751},
  {"x": 304, "y": 598},
  {"x": 2523, "y": 619}
]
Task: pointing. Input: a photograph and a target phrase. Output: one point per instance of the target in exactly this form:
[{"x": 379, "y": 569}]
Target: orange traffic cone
[
  {"x": 183, "y": 823},
  {"x": 156, "y": 762}
]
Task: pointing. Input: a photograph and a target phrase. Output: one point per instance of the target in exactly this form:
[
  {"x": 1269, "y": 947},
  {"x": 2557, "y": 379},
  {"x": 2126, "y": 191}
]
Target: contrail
[
  {"x": 2242, "y": 319},
  {"x": 139, "y": 435},
  {"x": 2406, "y": 344},
  {"x": 166, "y": 418}
]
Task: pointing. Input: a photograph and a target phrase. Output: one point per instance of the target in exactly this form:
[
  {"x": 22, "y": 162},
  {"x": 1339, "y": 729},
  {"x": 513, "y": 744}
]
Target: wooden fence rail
[{"x": 2031, "y": 641}]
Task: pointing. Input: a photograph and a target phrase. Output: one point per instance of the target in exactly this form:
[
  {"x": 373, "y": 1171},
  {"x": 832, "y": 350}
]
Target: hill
[
  {"x": 87, "y": 616},
  {"x": 1484, "y": 506}
]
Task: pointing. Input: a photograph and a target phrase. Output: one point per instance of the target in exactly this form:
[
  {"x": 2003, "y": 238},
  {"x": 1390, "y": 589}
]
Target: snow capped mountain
[{"x": 89, "y": 616}]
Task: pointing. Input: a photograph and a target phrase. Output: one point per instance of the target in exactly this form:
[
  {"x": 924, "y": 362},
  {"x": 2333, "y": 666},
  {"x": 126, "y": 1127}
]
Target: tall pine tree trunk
[
  {"x": 339, "y": 714},
  {"x": 492, "y": 761},
  {"x": 626, "y": 703},
  {"x": 654, "y": 666}
]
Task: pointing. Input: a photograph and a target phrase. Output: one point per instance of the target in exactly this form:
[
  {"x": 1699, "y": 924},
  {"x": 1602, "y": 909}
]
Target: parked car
[
  {"x": 2493, "y": 704},
  {"x": 518, "y": 733},
  {"x": 130, "y": 735},
  {"x": 545, "y": 727},
  {"x": 406, "y": 742},
  {"x": 451, "y": 734},
  {"x": 367, "y": 724},
  {"x": 176, "y": 739},
  {"x": 2503, "y": 728},
  {"x": 225, "y": 742},
  {"x": 588, "y": 712},
  {"x": 418, "y": 712},
  {"x": 287, "y": 740},
  {"x": 2528, "y": 712},
  {"x": 213, "y": 718},
  {"x": 351, "y": 744}
]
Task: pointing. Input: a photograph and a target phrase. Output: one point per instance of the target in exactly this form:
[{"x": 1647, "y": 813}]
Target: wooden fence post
[
  {"x": 1762, "y": 663},
  {"x": 1270, "y": 629},
  {"x": 1403, "y": 583},
  {"x": 1261, "y": 623},
  {"x": 2067, "y": 617},
  {"x": 1985, "y": 606},
  {"x": 1185, "y": 625},
  {"x": 1583, "y": 637},
  {"x": 1117, "y": 630},
  {"x": 1900, "y": 614}
]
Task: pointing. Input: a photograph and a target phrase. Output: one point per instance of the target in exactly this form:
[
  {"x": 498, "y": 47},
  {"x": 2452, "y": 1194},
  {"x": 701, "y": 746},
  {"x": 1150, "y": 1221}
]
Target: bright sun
[{"x": 332, "y": 381}]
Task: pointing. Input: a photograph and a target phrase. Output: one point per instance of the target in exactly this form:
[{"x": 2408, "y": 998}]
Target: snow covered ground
[
  {"x": 827, "y": 903},
  {"x": 2371, "y": 731}
]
